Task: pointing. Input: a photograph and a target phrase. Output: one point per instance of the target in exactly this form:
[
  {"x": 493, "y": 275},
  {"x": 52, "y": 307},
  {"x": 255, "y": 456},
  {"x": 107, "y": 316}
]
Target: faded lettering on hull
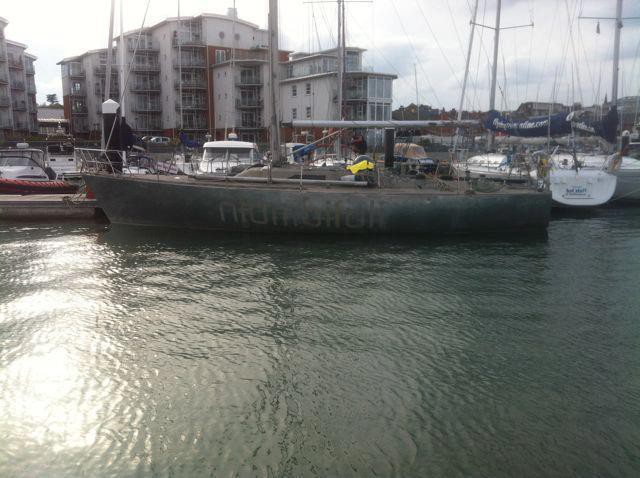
[{"x": 333, "y": 215}]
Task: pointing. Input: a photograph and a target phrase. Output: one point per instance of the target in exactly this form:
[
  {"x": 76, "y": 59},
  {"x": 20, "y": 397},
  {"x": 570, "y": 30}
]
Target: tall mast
[
  {"x": 233, "y": 68},
  {"x": 494, "y": 70},
  {"x": 616, "y": 54},
  {"x": 107, "y": 81},
  {"x": 415, "y": 78},
  {"x": 340, "y": 73},
  {"x": 122, "y": 92},
  {"x": 274, "y": 83},
  {"x": 179, "y": 38},
  {"x": 466, "y": 71}
]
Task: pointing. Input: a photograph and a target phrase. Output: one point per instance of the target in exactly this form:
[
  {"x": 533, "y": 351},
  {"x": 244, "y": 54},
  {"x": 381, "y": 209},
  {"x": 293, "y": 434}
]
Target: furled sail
[{"x": 556, "y": 125}]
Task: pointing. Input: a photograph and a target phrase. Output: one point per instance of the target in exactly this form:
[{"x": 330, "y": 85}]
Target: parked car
[
  {"x": 146, "y": 139},
  {"x": 160, "y": 140}
]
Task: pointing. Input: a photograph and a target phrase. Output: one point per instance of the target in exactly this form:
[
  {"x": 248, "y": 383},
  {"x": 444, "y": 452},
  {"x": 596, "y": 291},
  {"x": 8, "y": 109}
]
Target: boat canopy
[{"x": 409, "y": 151}]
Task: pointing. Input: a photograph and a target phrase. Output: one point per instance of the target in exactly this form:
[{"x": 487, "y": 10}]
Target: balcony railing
[
  {"x": 191, "y": 105},
  {"x": 79, "y": 110},
  {"x": 20, "y": 125},
  {"x": 5, "y": 101},
  {"x": 152, "y": 87},
  {"x": 257, "y": 55},
  {"x": 249, "y": 103},
  {"x": 16, "y": 64},
  {"x": 102, "y": 70},
  {"x": 5, "y": 123},
  {"x": 190, "y": 63},
  {"x": 253, "y": 80},
  {"x": 190, "y": 41},
  {"x": 30, "y": 70},
  {"x": 78, "y": 93},
  {"x": 147, "y": 108},
  {"x": 31, "y": 90},
  {"x": 3, "y": 57},
  {"x": 199, "y": 124},
  {"x": 143, "y": 46},
  {"x": 75, "y": 73},
  {"x": 17, "y": 85},
  {"x": 19, "y": 106},
  {"x": 190, "y": 84},
  {"x": 145, "y": 67}
]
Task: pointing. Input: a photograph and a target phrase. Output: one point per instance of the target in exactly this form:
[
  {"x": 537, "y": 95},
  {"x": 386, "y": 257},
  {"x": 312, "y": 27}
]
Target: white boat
[
  {"x": 494, "y": 166},
  {"x": 227, "y": 157},
  {"x": 628, "y": 172},
  {"x": 574, "y": 185},
  {"x": 24, "y": 163},
  {"x": 60, "y": 155}
]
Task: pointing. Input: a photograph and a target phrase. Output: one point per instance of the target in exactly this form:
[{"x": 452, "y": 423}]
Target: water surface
[{"x": 135, "y": 352}]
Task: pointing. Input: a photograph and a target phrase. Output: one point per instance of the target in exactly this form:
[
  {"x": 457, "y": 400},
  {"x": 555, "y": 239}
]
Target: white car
[{"x": 160, "y": 140}]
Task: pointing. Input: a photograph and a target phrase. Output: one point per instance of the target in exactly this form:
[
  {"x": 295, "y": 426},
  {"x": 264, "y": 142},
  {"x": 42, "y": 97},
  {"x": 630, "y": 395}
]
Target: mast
[
  {"x": 274, "y": 84},
  {"x": 107, "y": 81},
  {"x": 340, "y": 72},
  {"x": 122, "y": 92},
  {"x": 415, "y": 78},
  {"x": 179, "y": 38},
  {"x": 494, "y": 71},
  {"x": 466, "y": 71},
  {"x": 616, "y": 54}
]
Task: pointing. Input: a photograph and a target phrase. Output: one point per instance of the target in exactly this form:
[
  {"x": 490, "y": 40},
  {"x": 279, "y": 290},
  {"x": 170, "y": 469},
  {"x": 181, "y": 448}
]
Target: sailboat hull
[
  {"x": 581, "y": 188},
  {"x": 188, "y": 203}
]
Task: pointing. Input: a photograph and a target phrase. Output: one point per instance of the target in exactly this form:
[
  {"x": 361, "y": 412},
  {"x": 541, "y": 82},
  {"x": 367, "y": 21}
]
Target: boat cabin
[
  {"x": 228, "y": 157},
  {"x": 24, "y": 163}
]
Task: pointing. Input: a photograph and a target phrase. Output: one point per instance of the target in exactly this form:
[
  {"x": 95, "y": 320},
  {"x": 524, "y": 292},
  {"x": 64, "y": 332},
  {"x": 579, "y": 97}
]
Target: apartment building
[
  {"x": 18, "y": 107},
  {"x": 169, "y": 81},
  {"x": 309, "y": 88}
]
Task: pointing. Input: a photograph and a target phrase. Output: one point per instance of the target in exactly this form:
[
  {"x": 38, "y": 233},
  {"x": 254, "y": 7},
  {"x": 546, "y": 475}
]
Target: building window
[
  {"x": 294, "y": 113},
  {"x": 307, "y": 89},
  {"x": 294, "y": 90},
  {"x": 221, "y": 55},
  {"x": 308, "y": 112}
]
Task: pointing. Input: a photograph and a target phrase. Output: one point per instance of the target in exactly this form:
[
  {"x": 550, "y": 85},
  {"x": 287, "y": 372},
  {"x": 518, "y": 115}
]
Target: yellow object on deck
[{"x": 361, "y": 166}]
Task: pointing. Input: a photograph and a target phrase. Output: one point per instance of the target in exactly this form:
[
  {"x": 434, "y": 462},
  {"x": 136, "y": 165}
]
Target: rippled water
[{"x": 128, "y": 352}]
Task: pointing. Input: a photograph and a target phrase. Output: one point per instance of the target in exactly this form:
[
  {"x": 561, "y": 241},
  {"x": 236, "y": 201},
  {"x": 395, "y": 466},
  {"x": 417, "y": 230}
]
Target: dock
[{"x": 49, "y": 207}]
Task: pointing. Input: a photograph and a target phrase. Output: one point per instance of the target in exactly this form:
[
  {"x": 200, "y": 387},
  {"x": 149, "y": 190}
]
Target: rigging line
[
  {"x": 455, "y": 28},
  {"x": 573, "y": 48},
  {"x": 395, "y": 70},
  {"x": 326, "y": 24},
  {"x": 586, "y": 61},
  {"x": 435, "y": 37},
  {"x": 546, "y": 53},
  {"x": 315, "y": 23},
  {"x": 515, "y": 48},
  {"x": 475, "y": 83},
  {"x": 415, "y": 53},
  {"x": 126, "y": 78}
]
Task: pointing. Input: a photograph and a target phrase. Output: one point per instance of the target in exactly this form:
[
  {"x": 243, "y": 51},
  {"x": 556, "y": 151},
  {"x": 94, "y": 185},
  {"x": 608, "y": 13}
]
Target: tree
[{"x": 52, "y": 99}]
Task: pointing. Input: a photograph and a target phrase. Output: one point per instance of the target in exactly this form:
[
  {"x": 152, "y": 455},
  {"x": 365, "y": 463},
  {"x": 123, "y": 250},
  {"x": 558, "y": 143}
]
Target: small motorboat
[{"x": 23, "y": 170}]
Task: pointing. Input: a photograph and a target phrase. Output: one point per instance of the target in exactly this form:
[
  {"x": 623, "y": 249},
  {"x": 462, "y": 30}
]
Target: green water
[{"x": 132, "y": 352}]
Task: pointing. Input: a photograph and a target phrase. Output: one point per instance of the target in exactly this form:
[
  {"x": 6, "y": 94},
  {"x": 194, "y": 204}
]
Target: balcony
[
  {"x": 79, "y": 127},
  {"x": 146, "y": 87},
  {"x": 3, "y": 57},
  {"x": 147, "y": 108},
  {"x": 30, "y": 70},
  {"x": 21, "y": 125},
  {"x": 101, "y": 70},
  {"x": 77, "y": 73},
  {"x": 190, "y": 63},
  {"x": 191, "y": 105},
  {"x": 200, "y": 123},
  {"x": 246, "y": 103},
  {"x": 154, "y": 67},
  {"x": 79, "y": 110},
  {"x": 190, "y": 41},
  {"x": 143, "y": 47},
  {"x": 81, "y": 93},
  {"x": 19, "y": 106},
  {"x": 5, "y": 101},
  {"x": 250, "y": 55},
  {"x": 5, "y": 123},
  {"x": 252, "y": 122},
  {"x": 31, "y": 90},
  {"x": 3, "y": 80},
  {"x": 16, "y": 64},
  {"x": 252, "y": 80},
  {"x": 191, "y": 84},
  {"x": 17, "y": 85}
]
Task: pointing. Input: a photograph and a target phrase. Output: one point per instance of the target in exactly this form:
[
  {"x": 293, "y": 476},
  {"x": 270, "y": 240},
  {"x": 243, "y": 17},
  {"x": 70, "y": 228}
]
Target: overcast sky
[{"x": 402, "y": 36}]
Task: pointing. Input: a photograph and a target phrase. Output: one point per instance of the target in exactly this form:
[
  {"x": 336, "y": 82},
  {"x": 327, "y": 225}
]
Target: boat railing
[{"x": 123, "y": 163}]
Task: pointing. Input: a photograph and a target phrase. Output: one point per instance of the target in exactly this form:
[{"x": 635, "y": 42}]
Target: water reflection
[{"x": 138, "y": 351}]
